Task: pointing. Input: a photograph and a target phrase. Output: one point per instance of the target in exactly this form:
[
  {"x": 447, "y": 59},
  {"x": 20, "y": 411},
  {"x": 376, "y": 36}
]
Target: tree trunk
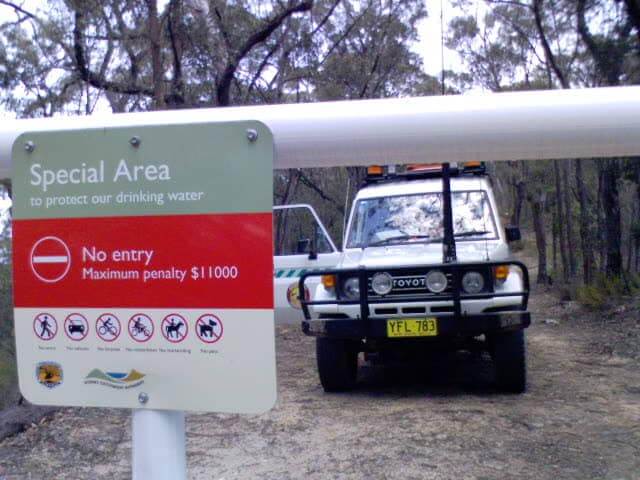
[
  {"x": 554, "y": 234},
  {"x": 537, "y": 211},
  {"x": 155, "y": 43},
  {"x": 611, "y": 207},
  {"x": 585, "y": 240},
  {"x": 561, "y": 222},
  {"x": 568, "y": 216}
]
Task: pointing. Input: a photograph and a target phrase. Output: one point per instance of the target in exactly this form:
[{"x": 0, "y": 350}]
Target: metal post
[{"x": 158, "y": 445}]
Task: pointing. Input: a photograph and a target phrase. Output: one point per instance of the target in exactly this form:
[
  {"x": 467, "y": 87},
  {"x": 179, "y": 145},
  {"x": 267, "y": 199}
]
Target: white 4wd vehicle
[{"x": 425, "y": 262}]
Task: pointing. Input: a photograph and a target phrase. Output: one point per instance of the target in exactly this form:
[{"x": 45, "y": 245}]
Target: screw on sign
[
  {"x": 45, "y": 326},
  {"x": 140, "y": 327},
  {"x": 50, "y": 259},
  {"x": 174, "y": 328},
  {"x": 108, "y": 327},
  {"x": 209, "y": 328},
  {"x": 76, "y": 327}
]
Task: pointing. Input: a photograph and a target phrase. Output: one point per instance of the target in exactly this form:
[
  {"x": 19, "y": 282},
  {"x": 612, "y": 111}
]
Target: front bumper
[
  {"x": 458, "y": 322},
  {"x": 448, "y": 325}
]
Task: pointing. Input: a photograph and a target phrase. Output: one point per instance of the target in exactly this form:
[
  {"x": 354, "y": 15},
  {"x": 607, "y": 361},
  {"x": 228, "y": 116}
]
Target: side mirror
[
  {"x": 512, "y": 234},
  {"x": 303, "y": 246}
]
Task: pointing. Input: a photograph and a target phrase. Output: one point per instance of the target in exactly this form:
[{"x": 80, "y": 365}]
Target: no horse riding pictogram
[
  {"x": 50, "y": 259},
  {"x": 174, "y": 328},
  {"x": 209, "y": 328}
]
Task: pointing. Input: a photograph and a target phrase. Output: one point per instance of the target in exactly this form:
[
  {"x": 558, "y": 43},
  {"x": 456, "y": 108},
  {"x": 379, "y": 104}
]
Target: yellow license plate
[{"x": 412, "y": 327}]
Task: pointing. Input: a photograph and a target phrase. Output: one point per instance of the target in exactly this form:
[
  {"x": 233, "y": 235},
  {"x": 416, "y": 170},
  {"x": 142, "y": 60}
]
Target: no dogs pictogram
[
  {"x": 209, "y": 328},
  {"x": 50, "y": 259},
  {"x": 45, "y": 326},
  {"x": 174, "y": 328}
]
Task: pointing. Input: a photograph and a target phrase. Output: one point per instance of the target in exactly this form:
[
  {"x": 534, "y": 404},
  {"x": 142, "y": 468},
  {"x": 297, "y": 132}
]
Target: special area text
[{"x": 44, "y": 178}]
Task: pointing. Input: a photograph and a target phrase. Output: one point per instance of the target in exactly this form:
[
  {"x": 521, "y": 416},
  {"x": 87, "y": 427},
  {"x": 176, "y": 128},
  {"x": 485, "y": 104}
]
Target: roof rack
[{"x": 379, "y": 174}]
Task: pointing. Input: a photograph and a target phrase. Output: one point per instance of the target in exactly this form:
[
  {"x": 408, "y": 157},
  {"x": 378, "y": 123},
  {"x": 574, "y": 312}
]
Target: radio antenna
[{"x": 442, "y": 47}]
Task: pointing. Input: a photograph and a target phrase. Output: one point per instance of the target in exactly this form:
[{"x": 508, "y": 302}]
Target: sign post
[{"x": 151, "y": 248}]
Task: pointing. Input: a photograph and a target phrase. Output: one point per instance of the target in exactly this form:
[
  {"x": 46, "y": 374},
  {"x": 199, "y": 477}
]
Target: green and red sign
[{"x": 144, "y": 245}]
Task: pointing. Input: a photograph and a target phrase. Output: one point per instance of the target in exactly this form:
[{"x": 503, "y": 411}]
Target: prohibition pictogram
[
  {"x": 174, "y": 328},
  {"x": 108, "y": 327},
  {"x": 209, "y": 328},
  {"x": 50, "y": 259},
  {"x": 76, "y": 327},
  {"x": 140, "y": 327},
  {"x": 45, "y": 326}
]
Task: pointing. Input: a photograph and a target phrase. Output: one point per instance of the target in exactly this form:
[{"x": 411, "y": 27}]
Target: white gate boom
[{"x": 599, "y": 122}]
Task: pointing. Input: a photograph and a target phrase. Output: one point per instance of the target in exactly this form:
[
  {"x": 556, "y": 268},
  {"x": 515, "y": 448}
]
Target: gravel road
[{"x": 580, "y": 419}]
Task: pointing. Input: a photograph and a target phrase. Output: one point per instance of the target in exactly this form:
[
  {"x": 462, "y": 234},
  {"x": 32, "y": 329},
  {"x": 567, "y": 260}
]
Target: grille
[{"x": 409, "y": 285}]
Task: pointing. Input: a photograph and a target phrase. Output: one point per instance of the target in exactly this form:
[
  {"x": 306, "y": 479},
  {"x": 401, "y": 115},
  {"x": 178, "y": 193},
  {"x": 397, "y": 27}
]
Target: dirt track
[{"x": 580, "y": 419}]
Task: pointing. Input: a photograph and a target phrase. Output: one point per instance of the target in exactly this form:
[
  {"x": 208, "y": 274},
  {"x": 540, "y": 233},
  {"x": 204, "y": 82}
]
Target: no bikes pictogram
[
  {"x": 76, "y": 327},
  {"x": 209, "y": 328},
  {"x": 140, "y": 327},
  {"x": 45, "y": 326},
  {"x": 50, "y": 259},
  {"x": 108, "y": 327},
  {"x": 174, "y": 328}
]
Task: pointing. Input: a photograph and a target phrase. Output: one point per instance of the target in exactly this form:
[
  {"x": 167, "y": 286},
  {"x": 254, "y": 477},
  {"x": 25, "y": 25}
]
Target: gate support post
[{"x": 158, "y": 445}]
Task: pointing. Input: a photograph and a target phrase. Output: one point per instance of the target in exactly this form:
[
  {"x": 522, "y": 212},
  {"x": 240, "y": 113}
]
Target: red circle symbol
[
  {"x": 76, "y": 327},
  {"x": 50, "y": 259},
  {"x": 140, "y": 327},
  {"x": 108, "y": 327},
  {"x": 209, "y": 328},
  {"x": 174, "y": 328},
  {"x": 45, "y": 326}
]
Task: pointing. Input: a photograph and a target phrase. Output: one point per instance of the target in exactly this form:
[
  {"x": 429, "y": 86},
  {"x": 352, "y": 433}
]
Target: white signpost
[{"x": 143, "y": 275}]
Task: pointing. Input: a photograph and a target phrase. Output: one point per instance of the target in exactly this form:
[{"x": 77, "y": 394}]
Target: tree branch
[
  {"x": 551, "y": 59},
  {"x": 224, "y": 84}
]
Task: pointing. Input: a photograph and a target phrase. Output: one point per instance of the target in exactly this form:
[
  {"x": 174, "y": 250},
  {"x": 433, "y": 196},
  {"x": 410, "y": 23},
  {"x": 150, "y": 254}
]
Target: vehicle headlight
[
  {"x": 351, "y": 288},
  {"x": 382, "y": 283},
  {"x": 472, "y": 282},
  {"x": 436, "y": 281}
]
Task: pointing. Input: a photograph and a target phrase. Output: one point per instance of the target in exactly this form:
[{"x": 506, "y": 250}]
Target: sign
[{"x": 151, "y": 249}]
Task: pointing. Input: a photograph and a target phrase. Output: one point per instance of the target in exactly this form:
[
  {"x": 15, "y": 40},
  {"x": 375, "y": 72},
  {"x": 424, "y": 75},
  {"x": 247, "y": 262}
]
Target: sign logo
[
  {"x": 50, "y": 259},
  {"x": 174, "y": 328},
  {"x": 209, "y": 328},
  {"x": 293, "y": 294},
  {"x": 45, "y": 326},
  {"x": 108, "y": 327},
  {"x": 140, "y": 327},
  {"x": 49, "y": 374},
  {"x": 117, "y": 380},
  {"x": 76, "y": 327}
]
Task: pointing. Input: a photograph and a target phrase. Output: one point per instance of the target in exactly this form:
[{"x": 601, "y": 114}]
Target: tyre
[
  {"x": 337, "y": 363},
  {"x": 509, "y": 356}
]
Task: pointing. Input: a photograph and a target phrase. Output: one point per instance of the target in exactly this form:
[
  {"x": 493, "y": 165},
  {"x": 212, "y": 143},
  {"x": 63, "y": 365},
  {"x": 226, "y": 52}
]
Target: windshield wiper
[
  {"x": 471, "y": 233},
  {"x": 397, "y": 238}
]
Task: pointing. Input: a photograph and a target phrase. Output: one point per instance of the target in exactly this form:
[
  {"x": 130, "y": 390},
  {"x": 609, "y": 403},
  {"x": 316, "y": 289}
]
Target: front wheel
[
  {"x": 509, "y": 356},
  {"x": 337, "y": 363}
]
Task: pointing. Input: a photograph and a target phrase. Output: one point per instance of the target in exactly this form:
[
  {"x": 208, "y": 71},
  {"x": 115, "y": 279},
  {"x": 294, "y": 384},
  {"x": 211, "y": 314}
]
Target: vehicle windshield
[{"x": 418, "y": 218}]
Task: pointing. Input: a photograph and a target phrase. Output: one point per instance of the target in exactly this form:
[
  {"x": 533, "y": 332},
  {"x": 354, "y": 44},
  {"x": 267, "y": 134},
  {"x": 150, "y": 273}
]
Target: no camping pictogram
[
  {"x": 108, "y": 327},
  {"x": 209, "y": 328},
  {"x": 140, "y": 327},
  {"x": 76, "y": 327},
  {"x": 174, "y": 328},
  {"x": 50, "y": 259},
  {"x": 45, "y": 326}
]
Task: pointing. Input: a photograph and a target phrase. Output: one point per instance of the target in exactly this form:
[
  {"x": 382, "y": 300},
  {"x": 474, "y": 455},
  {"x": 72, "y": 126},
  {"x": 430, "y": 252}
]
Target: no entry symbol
[
  {"x": 76, "y": 327},
  {"x": 50, "y": 259},
  {"x": 45, "y": 326},
  {"x": 108, "y": 327},
  {"x": 209, "y": 328},
  {"x": 174, "y": 328},
  {"x": 140, "y": 327}
]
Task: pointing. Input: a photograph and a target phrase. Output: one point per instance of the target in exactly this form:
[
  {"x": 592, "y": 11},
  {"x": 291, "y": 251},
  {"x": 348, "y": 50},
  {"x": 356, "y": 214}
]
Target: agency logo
[
  {"x": 117, "y": 380},
  {"x": 49, "y": 374},
  {"x": 293, "y": 294}
]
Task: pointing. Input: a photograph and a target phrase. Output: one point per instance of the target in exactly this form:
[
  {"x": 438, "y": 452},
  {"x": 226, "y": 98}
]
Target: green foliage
[
  {"x": 607, "y": 291},
  {"x": 8, "y": 377}
]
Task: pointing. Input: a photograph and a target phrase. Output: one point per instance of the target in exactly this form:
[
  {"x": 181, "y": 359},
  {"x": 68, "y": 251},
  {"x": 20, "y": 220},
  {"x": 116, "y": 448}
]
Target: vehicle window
[
  {"x": 296, "y": 231},
  {"x": 418, "y": 218}
]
